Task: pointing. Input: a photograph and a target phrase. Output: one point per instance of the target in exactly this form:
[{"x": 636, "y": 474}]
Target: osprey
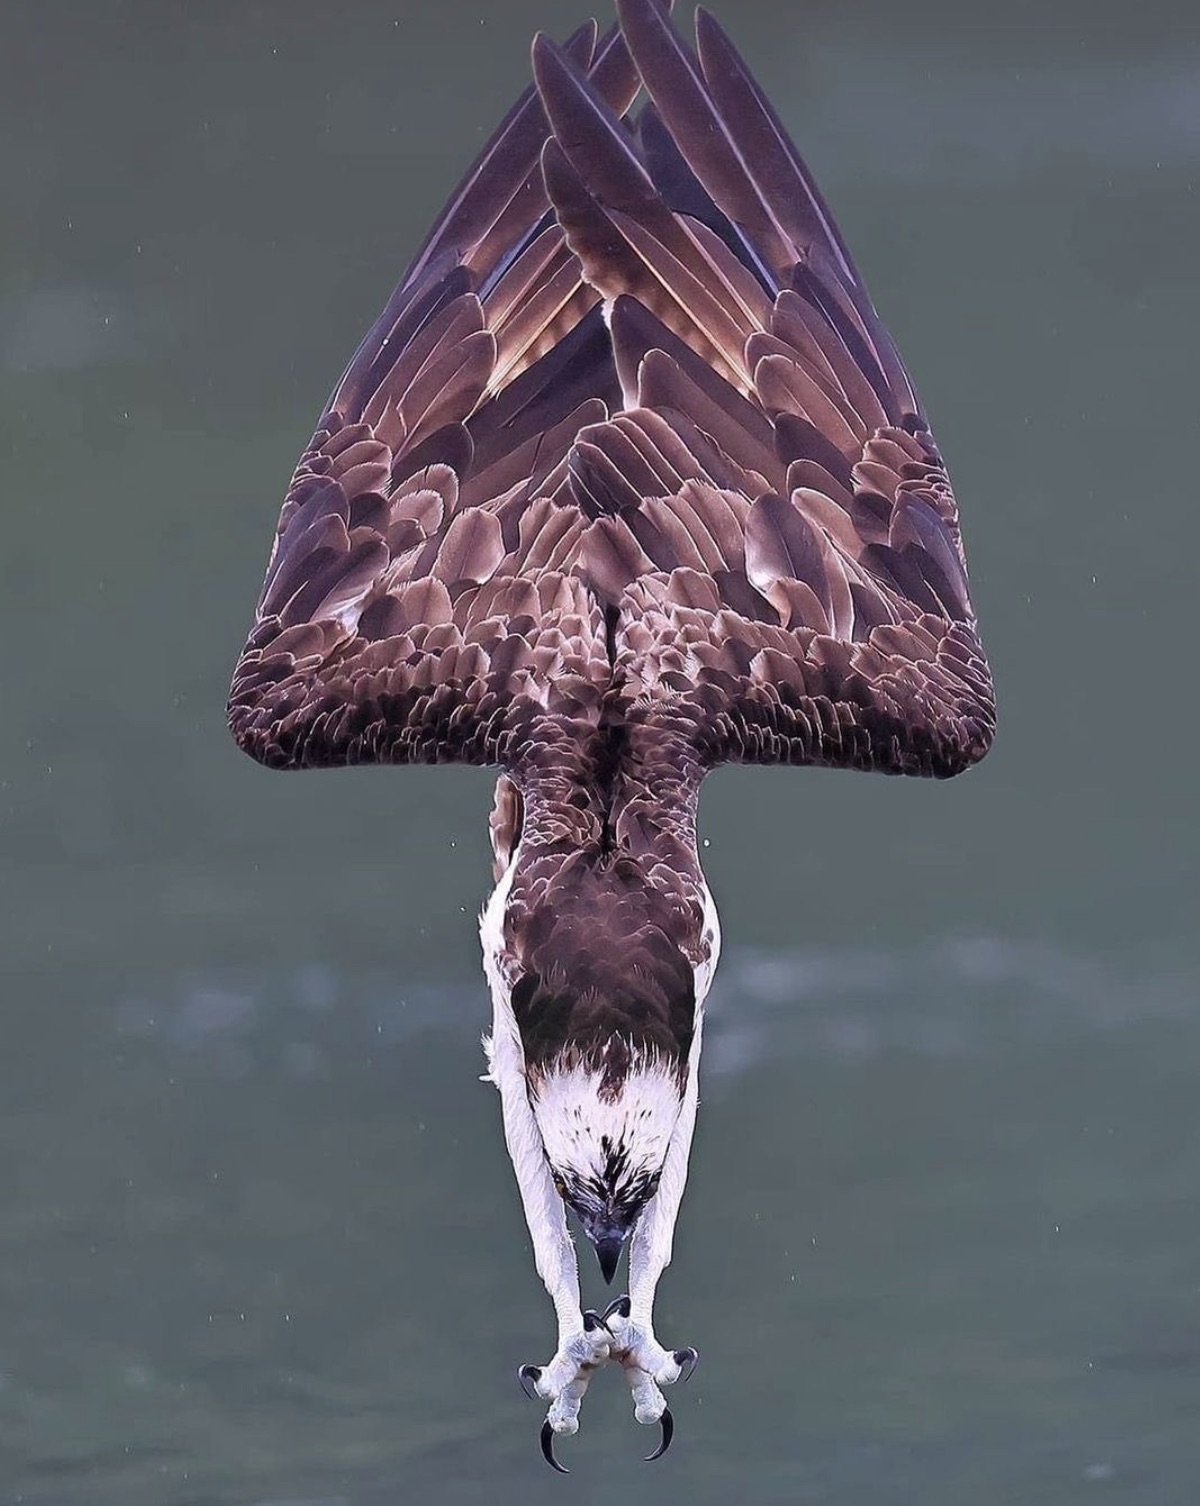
[{"x": 627, "y": 481}]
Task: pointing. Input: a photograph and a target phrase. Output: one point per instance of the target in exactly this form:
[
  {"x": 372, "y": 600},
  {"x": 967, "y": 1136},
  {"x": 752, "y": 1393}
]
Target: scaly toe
[
  {"x": 564, "y": 1381},
  {"x": 649, "y": 1404}
]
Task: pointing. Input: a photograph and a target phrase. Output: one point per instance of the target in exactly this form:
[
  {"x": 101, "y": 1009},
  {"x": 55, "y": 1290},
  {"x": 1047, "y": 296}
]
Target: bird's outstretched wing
[
  {"x": 773, "y": 520},
  {"x": 629, "y": 442},
  {"x": 420, "y": 604}
]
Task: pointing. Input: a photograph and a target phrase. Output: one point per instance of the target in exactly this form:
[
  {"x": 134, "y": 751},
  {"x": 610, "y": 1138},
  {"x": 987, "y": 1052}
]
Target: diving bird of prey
[{"x": 627, "y": 481}]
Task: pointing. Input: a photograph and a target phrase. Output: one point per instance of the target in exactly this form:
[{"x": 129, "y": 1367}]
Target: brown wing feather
[
  {"x": 409, "y": 501},
  {"x": 840, "y": 629},
  {"x": 629, "y": 441}
]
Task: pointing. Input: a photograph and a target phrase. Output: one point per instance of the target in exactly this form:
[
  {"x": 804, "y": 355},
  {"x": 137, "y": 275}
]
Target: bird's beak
[
  {"x": 608, "y": 1253},
  {"x": 608, "y": 1232}
]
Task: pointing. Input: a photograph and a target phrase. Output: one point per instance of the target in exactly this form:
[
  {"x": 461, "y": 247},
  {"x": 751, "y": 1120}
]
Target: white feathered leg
[
  {"x": 583, "y": 1342},
  {"x": 648, "y": 1365}
]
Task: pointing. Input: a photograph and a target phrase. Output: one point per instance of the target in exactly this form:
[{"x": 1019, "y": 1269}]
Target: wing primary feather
[
  {"x": 765, "y": 142},
  {"x": 698, "y": 130}
]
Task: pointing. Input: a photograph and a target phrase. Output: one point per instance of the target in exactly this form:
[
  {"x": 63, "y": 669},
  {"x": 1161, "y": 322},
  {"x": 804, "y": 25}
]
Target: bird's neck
[{"x": 625, "y": 792}]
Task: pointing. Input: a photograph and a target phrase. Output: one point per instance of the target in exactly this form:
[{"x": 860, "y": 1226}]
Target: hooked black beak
[
  {"x": 608, "y": 1253},
  {"x": 608, "y": 1232}
]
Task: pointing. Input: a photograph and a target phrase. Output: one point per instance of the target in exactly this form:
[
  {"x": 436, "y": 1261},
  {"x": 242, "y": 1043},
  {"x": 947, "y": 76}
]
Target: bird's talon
[
  {"x": 687, "y": 1360},
  {"x": 547, "y": 1439},
  {"x": 593, "y": 1320},
  {"x": 619, "y": 1307},
  {"x": 667, "y": 1423},
  {"x": 527, "y": 1378}
]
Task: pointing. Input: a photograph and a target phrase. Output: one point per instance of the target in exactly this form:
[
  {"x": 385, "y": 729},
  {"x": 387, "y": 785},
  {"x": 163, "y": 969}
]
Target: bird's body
[{"x": 627, "y": 481}]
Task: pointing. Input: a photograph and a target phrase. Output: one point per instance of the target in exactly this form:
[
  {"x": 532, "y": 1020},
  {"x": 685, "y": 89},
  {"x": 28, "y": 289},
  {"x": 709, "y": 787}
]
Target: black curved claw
[
  {"x": 527, "y": 1378},
  {"x": 593, "y": 1320},
  {"x": 668, "y": 1432},
  {"x": 687, "y": 1360},
  {"x": 620, "y": 1305},
  {"x": 548, "y": 1449}
]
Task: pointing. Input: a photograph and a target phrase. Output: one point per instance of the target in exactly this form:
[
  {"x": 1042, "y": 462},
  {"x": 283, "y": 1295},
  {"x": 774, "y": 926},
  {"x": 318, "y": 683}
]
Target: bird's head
[{"x": 606, "y": 1124}]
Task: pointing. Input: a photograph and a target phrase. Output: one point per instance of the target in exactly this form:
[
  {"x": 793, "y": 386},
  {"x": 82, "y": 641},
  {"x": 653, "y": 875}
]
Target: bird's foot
[
  {"x": 648, "y": 1367},
  {"x": 565, "y": 1379}
]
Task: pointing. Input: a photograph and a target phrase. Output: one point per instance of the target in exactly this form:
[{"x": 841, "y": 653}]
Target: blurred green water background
[{"x": 258, "y": 1236}]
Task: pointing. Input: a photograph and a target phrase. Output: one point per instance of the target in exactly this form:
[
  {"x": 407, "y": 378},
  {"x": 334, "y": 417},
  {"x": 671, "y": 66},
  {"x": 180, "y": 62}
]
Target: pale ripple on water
[{"x": 958, "y": 997}]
